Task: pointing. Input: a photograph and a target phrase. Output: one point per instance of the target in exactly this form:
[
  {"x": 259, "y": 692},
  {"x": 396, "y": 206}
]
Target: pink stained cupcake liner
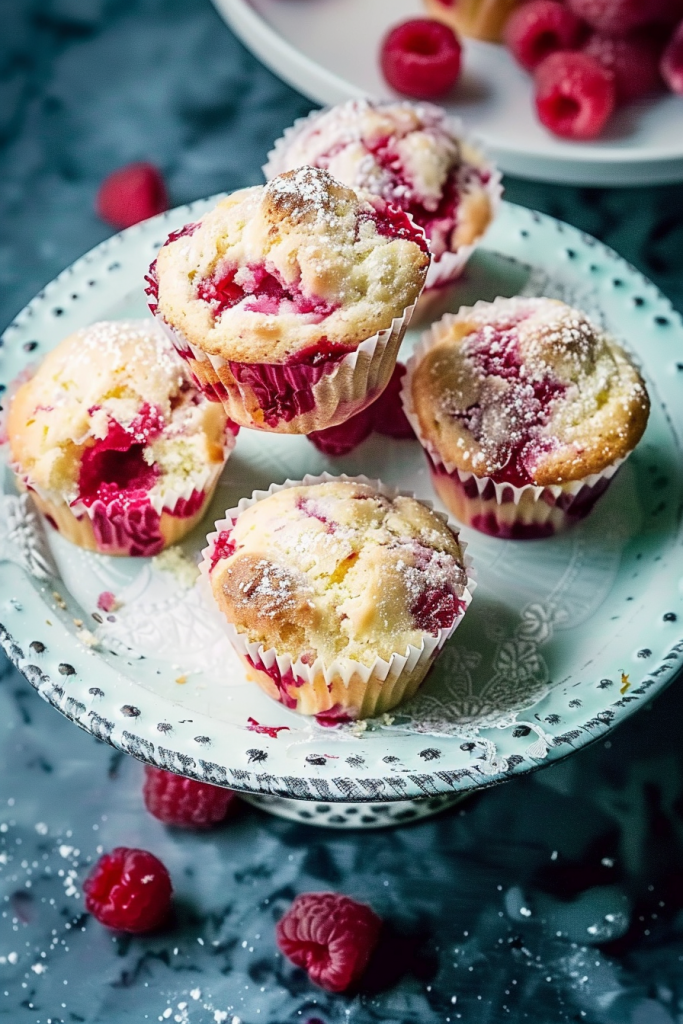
[
  {"x": 501, "y": 509},
  {"x": 450, "y": 265},
  {"x": 296, "y": 398},
  {"x": 386, "y": 683}
]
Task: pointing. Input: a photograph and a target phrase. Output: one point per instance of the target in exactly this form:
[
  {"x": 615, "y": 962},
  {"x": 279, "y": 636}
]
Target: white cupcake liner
[
  {"x": 353, "y": 383},
  {"x": 415, "y": 659},
  {"x": 449, "y": 266},
  {"x": 505, "y": 493}
]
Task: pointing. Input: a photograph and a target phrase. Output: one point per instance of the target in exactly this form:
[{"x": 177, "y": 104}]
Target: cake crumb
[
  {"x": 181, "y": 680},
  {"x": 87, "y": 638},
  {"x": 174, "y": 560},
  {"x": 359, "y": 727},
  {"x": 59, "y": 600}
]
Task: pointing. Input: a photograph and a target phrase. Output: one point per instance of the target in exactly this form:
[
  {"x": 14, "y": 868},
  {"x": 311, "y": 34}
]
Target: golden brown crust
[{"x": 595, "y": 411}]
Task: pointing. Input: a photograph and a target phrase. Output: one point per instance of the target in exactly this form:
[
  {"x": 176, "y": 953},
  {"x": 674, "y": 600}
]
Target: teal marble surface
[{"x": 556, "y": 898}]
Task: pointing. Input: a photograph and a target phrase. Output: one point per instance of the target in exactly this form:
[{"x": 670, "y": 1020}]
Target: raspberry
[
  {"x": 539, "y": 28},
  {"x": 574, "y": 95},
  {"x": 342, "y": 439},
  {"x": 672, "y": 61},
  {"x": 619, "y": 17},
  {"x": 388, "y": 415},
  {"x": 632, "y": 60},
  {"x": 330, "y": 936},
  {"x": 131, "y": 194},
  {"x": 184, "y": 802},
  {"x": 128, "y": 890},
  {"x": 421, "y": 58}
]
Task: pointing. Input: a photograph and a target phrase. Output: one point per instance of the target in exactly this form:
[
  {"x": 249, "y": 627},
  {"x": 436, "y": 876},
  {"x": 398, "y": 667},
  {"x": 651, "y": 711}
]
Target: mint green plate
[{"x": 564, "y": 639}]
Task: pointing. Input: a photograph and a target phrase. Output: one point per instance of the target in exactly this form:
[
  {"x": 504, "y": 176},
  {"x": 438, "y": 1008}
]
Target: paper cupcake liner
[
  {"x": 113, "y": 528},
  {"x": 500, "y": 509},
  {"x": 296, "y": 398},
  {"x": 343, "y": 689},
  {"x": 449, "y": 266}
]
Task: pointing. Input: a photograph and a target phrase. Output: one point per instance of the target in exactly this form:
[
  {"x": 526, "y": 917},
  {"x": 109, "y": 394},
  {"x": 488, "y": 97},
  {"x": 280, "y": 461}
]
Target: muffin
[
  {"x": 526, "y": 410},
  {"x": 118, "y": 447},
  {"x": 480, "y": 19},
  {"x": 338, "y": 593},
  {"x": 413, "y": 156},
  {"x": 289, "y": 301}
]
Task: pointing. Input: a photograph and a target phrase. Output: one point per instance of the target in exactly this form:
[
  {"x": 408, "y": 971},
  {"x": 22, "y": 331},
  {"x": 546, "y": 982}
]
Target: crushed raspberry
[
  {"x": 672, "y": 62},
  {"x": 574, "y": 95},
  {"x": 388, "y": 415},
  {"x": 421, "y": 58},
  {"x": 131, "y": 194},
  {"x": 632, "y": 60},
  {"x": 435, "y": 610},
  {"x": 128, "y": 890},
  {"x": 184, "y": 802},
  {"x": 223, "y": 548},
  {"x": 266, "y": 730},
  {"x": 106, "y": 602},
  {"x": 539, "y": 28},
  {"x": 618, "y": 17},
  {"x": 263, "y": 291},
  {"x": 336, "y": 715},
  {"x": 391, "y": 221},
  {"x": 343, "y": 438},
  {"x": 330, "y": 936},
  {"x": 115, "y": 463}
]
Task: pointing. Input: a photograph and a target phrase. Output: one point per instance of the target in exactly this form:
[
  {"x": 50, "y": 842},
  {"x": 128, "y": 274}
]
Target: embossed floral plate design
[{"x": 565, "y": 637}]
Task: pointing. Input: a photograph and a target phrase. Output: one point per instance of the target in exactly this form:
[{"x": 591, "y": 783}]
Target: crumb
[
  {"x": 358, "y": 728},
  {"x": 87, "y": 638},
  {"x": 625, "y": 683},
  {"x": 59, "y": 600},
  {"x": 78, "y": 623},
  {"x": 175, "y": 561},
  {"x": 387, "y": 719},
  {"x": 181, "y": 680}
]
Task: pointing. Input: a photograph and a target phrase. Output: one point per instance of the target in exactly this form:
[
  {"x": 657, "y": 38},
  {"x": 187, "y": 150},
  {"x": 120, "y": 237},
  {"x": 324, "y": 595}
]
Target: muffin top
[
  {"x": 300, "y": 266},
  {"x": 407, "y": 153},
  {"x": 336, "y": 570},
  {"x": 527, "y": 391},
  {"x": 112, "y": 408}
]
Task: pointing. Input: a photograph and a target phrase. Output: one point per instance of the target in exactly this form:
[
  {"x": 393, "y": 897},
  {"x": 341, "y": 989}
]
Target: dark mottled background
[{"x": 558, "y": 897}]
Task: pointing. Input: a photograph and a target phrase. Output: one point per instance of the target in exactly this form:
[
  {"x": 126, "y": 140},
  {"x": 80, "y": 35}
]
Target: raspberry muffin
[
  {"x": 413, "y": 156},
  {"x": 525, "y": 410},
  {"x": 338, "y": 593},
  {"x": 480, "y": 19},
  {"x": 289, "y": 301},
  {"x": 118, "y": 447}
]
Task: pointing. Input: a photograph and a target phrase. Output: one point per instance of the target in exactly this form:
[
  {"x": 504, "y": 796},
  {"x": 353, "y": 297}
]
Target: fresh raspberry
[
  {"x": 342, "y": 439},
  {"x": 421, "y": 58},
  {"x": 131, "y": 194},
  {"x": 619, "y": 17},
  {"x": 574, "y": 95},
  {"x": 128, "y": 890},
  {"x": 184, "y": 802},
  {"x": 632, "y": 60},
  {"x": 330, "y": 936},
  {"x": 539, "y": 28},
  {"x": 388, "y": 415},
  {"x": 672, "y": 61}
]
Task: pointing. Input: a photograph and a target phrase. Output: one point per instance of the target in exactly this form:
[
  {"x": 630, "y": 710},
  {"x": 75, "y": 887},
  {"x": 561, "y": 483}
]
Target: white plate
[
  {"x": 534, "y": 671},
  {"x": 328, "y": 50}
]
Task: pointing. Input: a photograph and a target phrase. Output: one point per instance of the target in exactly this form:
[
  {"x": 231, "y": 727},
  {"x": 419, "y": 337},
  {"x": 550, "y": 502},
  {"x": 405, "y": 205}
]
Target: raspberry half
[
  {"x": 330, "y": 936},
  {"x": 633, "y": 60},
  {"x": 539, "y": 28},
  {"x": 131, "y": 194},
  {"x": 421, "y": 58},
  {"x": 128, "y": 890},
  {"x": 672, "y": 62},
  {"x": 184, "y": 802},
  {"x": 574, "y": 95},
  {"x": 342, "y": 439},
  {"x": 388, "y": 415}
]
